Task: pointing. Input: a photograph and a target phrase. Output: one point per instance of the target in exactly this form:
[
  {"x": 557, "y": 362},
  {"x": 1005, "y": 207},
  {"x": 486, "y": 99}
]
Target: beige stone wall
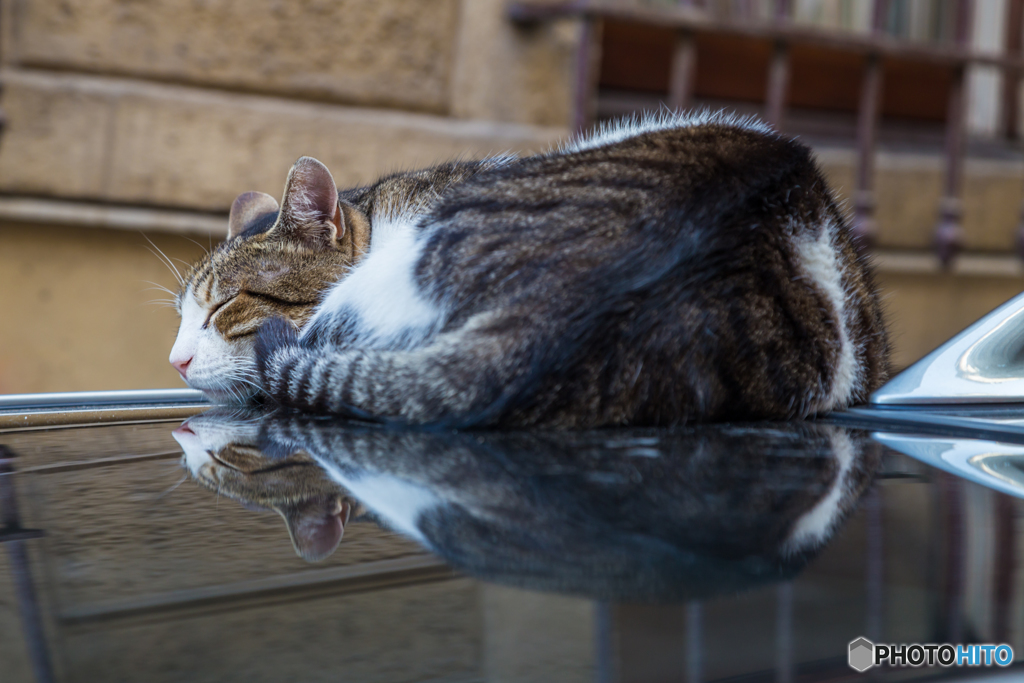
[
  {"x": 116, "y": 107},
  {"x": 78, "y": 311},
  {"x": 507, "y": 73},
  {"x": 74, "y": 136},
  {"x": 458, "y": 57},
  {"x": 389, "y": 54},
  {"x": 119, "y": 105}
]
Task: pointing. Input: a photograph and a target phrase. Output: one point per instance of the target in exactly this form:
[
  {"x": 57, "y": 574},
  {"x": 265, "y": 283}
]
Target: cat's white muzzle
[{"x": 225, "y": 372}]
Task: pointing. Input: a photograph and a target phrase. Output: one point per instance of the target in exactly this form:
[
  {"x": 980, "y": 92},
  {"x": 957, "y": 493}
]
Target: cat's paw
[
  {"x": 274, "y": 334},
  {"x": 277, "y": 343}
]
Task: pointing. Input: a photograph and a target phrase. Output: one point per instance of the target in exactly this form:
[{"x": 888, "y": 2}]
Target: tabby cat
[{"x": 662, "y": 270}]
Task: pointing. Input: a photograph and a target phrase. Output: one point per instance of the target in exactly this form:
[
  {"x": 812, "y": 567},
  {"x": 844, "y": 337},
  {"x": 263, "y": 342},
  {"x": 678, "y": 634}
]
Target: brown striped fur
[
  {"x": 661, "y": 272},
  {"x": 279, "y": 262}
]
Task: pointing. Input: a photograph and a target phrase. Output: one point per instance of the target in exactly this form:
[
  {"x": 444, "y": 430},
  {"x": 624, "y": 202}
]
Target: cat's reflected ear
[
  {"x": 310, "y": 213},
  {"x": 317, "y": 525},
  {"x": 248, "y": 209}
]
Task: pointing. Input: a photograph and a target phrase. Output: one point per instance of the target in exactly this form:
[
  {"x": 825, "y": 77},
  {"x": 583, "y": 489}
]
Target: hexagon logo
[{"x": 862, "y": 654}]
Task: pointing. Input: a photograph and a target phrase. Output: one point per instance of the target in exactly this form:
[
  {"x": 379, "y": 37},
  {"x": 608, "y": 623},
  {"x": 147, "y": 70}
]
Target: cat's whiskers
[
  {"x": 232, "y": 382},
  {"x": 182, "y": 262},
  {"x": 241, "y": 380},
  {"x": 166, "y": 260},
  {"x": 170, "y": 303},
  {"x": 205, "y": 250},
  {"x": 237, "y": 376},
  {"x": 159, "y": 287},
  {"x": 236, "y": 393},
  {"x": 171, "y": 490}
]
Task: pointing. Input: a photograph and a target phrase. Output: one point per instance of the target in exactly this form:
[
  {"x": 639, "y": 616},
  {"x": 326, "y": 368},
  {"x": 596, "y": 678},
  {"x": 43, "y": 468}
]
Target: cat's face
[
  {"x": 223, "y": 457},
  {"x": 275, "y": 262}
]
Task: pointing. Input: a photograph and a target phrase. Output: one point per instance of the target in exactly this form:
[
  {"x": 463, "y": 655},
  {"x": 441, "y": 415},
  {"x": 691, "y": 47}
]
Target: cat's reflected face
[{"x": 223, "y": 459}]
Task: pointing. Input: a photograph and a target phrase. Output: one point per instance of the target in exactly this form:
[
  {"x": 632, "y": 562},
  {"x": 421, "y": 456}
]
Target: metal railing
[
  {"x": 689, "y": 18},
  {"x": 78, "y": 408}
]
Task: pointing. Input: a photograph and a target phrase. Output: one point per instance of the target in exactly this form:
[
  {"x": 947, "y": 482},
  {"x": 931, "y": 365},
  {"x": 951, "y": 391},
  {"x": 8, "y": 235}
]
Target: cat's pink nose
[{"x": 182, "y": 366}]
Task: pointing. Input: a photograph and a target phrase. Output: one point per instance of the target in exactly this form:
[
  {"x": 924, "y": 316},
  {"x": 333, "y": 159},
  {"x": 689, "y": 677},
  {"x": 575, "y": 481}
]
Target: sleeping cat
[{"x": 659, "y": 271}]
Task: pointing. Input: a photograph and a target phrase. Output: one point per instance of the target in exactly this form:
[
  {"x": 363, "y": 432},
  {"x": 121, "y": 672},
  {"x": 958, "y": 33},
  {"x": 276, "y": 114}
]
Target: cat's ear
[
  {"x": 317, "y": 525},
  {"x": 310, "y": 212},
  {"x": 248, "y": 209}
]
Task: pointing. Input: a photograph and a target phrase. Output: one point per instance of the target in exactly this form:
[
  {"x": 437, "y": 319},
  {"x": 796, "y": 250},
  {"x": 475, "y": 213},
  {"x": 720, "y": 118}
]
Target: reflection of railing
[
  {"x": 691, "y": 645},
  {"x": 13, "y": 537},
  {"x": 689, "y": 19}
]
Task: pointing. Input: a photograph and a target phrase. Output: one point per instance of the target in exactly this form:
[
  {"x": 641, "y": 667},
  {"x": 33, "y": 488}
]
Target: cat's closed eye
[{"x": 216, "y": 309}]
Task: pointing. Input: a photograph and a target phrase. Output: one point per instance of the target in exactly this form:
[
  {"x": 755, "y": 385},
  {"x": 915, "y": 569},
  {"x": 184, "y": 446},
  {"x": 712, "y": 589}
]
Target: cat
[
  {"x": 659, "y": 271},
  {"x": 279, "y": 261},
  {"x": 629, "y": 514}
]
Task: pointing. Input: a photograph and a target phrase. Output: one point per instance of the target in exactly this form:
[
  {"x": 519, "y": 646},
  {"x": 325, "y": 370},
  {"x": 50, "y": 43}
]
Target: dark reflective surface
[
  {"x": 285, "y": 548},
  {"x": 629, "y": 514}
]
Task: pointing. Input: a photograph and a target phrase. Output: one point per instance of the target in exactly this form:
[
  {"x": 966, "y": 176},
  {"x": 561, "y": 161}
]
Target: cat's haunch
[{"x": 662, "y": 270}]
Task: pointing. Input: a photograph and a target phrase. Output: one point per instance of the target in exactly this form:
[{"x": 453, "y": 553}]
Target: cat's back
[
  {"x": 689, "y": 268},
  {"x": 677, "y": 160},
  {"x": 654, "y": 194}
]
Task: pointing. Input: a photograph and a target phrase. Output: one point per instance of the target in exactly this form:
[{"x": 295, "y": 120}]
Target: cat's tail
[{"x": 461, "y": 379}]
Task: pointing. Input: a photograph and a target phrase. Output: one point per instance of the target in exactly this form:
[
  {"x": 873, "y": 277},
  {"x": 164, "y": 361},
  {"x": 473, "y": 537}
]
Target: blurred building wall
[
  {"x": 128, "y": 118},
  {"x": 132, "y": 120}
]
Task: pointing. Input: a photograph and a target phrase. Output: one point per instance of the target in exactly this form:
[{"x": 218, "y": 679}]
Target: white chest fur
[{"x": 380, "y": 298}]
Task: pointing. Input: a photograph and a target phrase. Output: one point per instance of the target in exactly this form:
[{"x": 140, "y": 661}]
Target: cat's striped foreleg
[{"x": 455, "y": 379}]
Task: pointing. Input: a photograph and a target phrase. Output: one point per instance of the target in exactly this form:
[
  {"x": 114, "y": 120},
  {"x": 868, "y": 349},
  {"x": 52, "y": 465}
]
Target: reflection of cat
[
  {"x": 222, "y": 456},
  {"x": 624, "y": 514},
  {"x": 659, "y": 272}
]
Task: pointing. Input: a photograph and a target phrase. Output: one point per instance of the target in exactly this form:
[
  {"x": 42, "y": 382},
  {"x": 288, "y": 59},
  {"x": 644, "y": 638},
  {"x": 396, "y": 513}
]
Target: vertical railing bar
[
  {"x": 949, "y": 232},
  {"x": 784, "y": 633},
  {"x": 684, "y": 69},
  {"x": 17, "y": 554},
  {"x": 1011, "y": 74},
  {"x": 1005, "y": 566},
  {"x": 778, "y": 71},
  {"x": 953, "y": 505},
  {"x": 587, "y": 61},
  {"x": 604, "y": 642},
  {"x": 874, "y": 573},
  {"x": 865, "y": 228},
  {"x": 694, "y": 642}
]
